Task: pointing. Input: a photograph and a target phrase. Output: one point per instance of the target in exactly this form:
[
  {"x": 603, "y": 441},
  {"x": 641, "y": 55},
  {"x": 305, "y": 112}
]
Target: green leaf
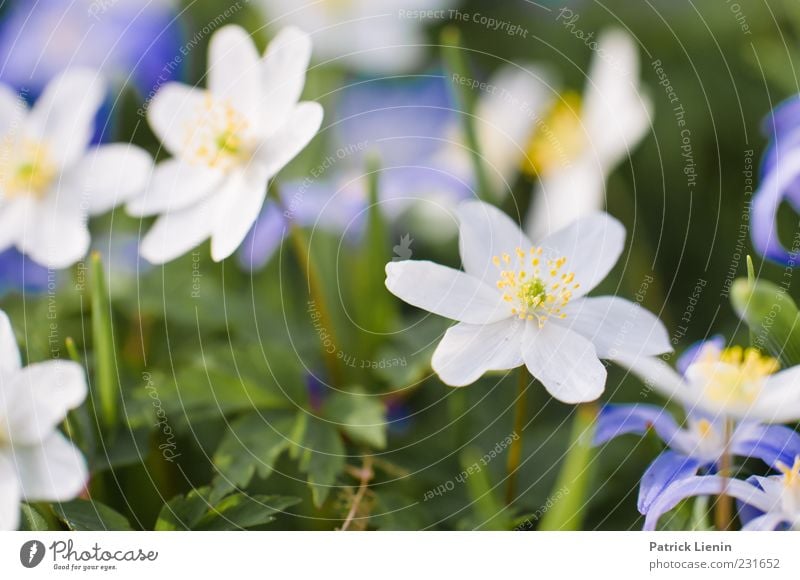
[
  {"x": 321, "y": 456},
  {"x": 240, "y": 511},
  {"x": 105, "y": 378},
  {"x": 490, "y": 514},
  {"x": 772, "y": 317},
  {"x": 33, "y": 520},
  {"x": 84, "y": 515},
  {"x": 360, "y": 415},
  {"x": 252, "y": 445},
  {"x": 569, "y": 496},
  {"x": 197, "y": 511}
]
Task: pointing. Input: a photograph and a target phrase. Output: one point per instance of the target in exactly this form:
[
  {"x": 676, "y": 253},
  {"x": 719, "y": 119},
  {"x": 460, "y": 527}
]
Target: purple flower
[
  {"x": 21, "y": 274},
  {"x": 780, "y": 181},
  {"x": 127, "y": 41},
  {"x": 698, "y": 446},
  {"x": 409, "y": 125}
]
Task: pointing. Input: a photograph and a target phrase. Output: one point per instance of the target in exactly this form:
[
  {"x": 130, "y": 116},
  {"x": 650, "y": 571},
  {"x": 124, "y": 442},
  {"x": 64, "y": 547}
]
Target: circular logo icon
[{"x": 31, "y": 553}]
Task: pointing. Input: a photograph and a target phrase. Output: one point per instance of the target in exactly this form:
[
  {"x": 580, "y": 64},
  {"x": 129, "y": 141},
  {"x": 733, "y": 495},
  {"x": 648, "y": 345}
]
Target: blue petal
[
  {"x": 747, "y": 512},
  {"x": 264, "y": 238},
  {"x": 690, "y": 355},
  {"x": 774, "y": 188},
  {"x": 405, "y": 119},
  {"x": 667, "y": 468},
  {"x": 770, "y": 443},
  {"x": 616, "y": 420},
  {"x": 18, "y": 273},
  {"x": 784, "y": 119},
  {"x": 704, "y": 485}
]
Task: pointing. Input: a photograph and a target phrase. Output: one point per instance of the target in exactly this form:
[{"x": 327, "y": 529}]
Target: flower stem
[
  {"x": 723, "y": 510},
  {"x": 515, "y": 452},
  {"x": 453, "y": 55},
  {"x": 365, "y": 475},
  {"x": 302, "y": 251},
  {"x": 105, "y": 379}
]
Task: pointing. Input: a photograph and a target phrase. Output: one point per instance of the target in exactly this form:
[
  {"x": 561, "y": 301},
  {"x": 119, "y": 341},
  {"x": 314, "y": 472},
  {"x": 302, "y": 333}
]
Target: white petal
[
  {"x": 614, "y": 326},
  {"x": 110, "y": 175},
  {"x": 63, "y": 116},
  {"x": 173, "y": 114},
  {"x": 298, "y": 129},
  {"x": 234, "y": 70},
  {"x": 658, "y": 375},
  {"x": 52, "y": 471},
  {"x": 10, "y": 360},
  {"x": 243, "y": 197},
  {"x": 38, "y": 397},
  {"x": 779, "y": 401},
  {"x": 13, "y": 110},
  {"x": 506, "y": 118},
  {"x": 446, "y": 292},
  {"x": 484, "y": 232},
  {"x": 13, "y": 214},
  {"x": 10, "y": 496},
  {"x": 566, "y": 195},
  {"x": 175, "y": 185},
  {"x": 564, "y": 362},
  {"x": 56, "y": 235},
  {"x": 617, "y": 110},
  {"x": 284, "y": 74},
  {"x": 467, "y": 351},
  {"x": 177, "y": 232},
  {"x": 592, "y": 246}
]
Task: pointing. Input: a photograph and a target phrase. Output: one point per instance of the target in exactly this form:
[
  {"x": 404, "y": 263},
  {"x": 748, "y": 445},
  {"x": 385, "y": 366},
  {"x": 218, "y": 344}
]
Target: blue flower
[
  {"x": 21, "y": 274},
  {"x": 698, "y": 446},
  {"x": 780, "y": 181},
  {"x": 132, "y": 43},
  {"x": 408, "y": 125}
]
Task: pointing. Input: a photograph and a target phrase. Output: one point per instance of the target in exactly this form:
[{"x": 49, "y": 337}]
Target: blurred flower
[
  {"x": 780, "y": 181},
  {"x": 50, "y": 179},
  {"x": 375, "y": 36},
  {"x": 576, "y": 142},
  {"x": 227, "y": 142},
  {"x": 21, "y": 274},
  {"x": 699, "y": 446},
  {"x": 37, "y": 463},
  {"x": 773, "y": 502},
  {"x": 127, "y": 41},
  {"x": 519, "y": 303},
  {"x": 734, "y": 382}
]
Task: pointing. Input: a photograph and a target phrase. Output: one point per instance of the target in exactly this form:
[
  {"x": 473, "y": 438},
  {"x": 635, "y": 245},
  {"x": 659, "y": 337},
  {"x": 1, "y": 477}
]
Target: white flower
[
  {"x": 372, "y": 36},
  {"x": 519, "y": 303},
  {"x": 226, "y": 142},
  {"x": 37, "y": 463},
  {"x": 50, "y": 179},
  {"x": 733, "y": 382},
  {"x": 577, "y": 142}
]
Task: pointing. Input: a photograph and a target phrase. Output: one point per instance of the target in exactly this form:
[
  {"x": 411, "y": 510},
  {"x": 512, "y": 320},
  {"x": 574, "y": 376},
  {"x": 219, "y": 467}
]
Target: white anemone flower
[
  {"x": 51, "y": 180},
  {"x": 577, "y": 142},
  {"x": 370, "y": 36},
  {"x": 731, "y": 382},
  {"x": 226, "y": 142},
  {"x": 518, "y": 303},
  {"x": 37, "y": 463}
]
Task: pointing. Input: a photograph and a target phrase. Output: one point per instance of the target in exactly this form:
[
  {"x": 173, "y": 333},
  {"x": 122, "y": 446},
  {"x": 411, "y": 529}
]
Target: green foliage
[{"x": 83, "y": 515}]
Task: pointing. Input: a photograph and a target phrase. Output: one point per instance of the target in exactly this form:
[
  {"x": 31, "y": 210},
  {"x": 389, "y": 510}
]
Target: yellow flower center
[
  {"x": 26, "y": 169},
  {"x": 735, "y": 375},
  {"x": 791, "y": 486},
  {"x": 217, "y": 137},
  {"x": 558, "y": 137},
  {"x": 536, "y": 288}
]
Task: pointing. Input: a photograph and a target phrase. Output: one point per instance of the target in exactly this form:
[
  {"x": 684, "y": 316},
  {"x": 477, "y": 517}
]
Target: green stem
[
  {"x": 458, "y": 69},
  {"x": 302, "y": 251},
  {"x": 569, "y": 496},
  {"x": 104, "y": 365},
  {"x": 515, "y": 451}
]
